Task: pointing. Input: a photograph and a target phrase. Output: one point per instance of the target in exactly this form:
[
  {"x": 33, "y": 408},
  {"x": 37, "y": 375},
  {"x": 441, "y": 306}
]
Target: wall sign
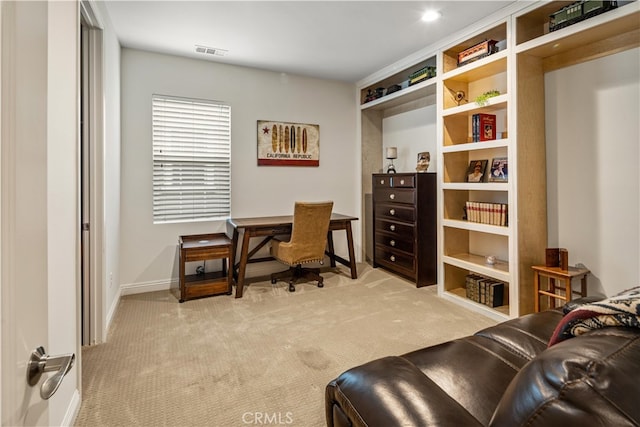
[{"x": 288, "y": 144}]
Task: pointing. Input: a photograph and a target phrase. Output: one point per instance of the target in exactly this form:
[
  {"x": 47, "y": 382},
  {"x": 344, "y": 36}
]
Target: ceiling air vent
[{"x": 211, "y": 50}]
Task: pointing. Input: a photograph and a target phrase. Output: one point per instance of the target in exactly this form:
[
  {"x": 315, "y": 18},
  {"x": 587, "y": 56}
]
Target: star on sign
[{"x": 265, "y": 130}]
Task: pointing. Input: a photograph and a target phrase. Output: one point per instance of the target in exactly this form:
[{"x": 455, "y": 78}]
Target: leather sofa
[{"x": 504, "y": 375}]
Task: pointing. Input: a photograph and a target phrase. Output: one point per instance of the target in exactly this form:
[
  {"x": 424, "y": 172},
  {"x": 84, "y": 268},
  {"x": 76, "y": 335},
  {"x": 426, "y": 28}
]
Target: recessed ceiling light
[{"x": 431, "y": 15}]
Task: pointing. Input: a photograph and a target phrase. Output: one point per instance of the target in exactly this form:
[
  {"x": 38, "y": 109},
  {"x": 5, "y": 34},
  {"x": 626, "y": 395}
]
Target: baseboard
[
  {"x": 253, "y": 270},
  {"x": 73, "y": 410},
  {"x": 111, "y": 313},
  {"x": 143, "y": 287}
]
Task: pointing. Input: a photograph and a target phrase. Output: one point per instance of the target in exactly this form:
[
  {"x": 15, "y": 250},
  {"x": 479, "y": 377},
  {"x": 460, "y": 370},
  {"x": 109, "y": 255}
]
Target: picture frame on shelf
[
  {"x": 499, "y": 170},
  {"x": 476, "y": 170}
]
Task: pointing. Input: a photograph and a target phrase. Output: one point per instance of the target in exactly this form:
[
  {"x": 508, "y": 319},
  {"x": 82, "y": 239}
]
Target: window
[{"x": 191, "y": 159}]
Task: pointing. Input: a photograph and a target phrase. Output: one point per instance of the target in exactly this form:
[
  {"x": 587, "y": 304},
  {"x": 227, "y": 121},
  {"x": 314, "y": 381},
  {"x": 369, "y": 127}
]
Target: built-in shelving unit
[
  {"x": 464, "y": 244},
  {"x": 527, "y": 50},
  {"x": 372, "y": 113}
]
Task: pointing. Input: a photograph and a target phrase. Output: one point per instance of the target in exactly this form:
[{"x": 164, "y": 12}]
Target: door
[{"x": 39, "y": 253}]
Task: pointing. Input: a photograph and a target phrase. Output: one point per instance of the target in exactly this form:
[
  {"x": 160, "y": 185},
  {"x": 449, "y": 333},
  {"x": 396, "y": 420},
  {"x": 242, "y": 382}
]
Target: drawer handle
[
  {"x": 392, "y": 227},
  {"x": 402, "y": 182},
  {"x": 382, "y": 182},
  {"x": 392, "y": 243},
  {"x": 392, "y": 196},
  {"x": 392, "y": 258},
  {"x": 392, "y": 211}
]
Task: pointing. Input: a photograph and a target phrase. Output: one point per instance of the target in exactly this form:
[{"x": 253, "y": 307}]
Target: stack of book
[
  {"x": 483, "y": 127},
  {"x": 487, "y": 213},
  {"x": 485, "y": 291}
]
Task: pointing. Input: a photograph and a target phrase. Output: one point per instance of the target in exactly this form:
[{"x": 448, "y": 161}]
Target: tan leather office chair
[{"x": 307, "y": 244}]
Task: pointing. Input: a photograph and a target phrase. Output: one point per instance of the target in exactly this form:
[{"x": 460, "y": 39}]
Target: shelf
[
  {"x": 458, "y": 295},
  {"x": 493, "y": 104},
  {"x": 450, "y": 56},
  {"x": 403, "y": 96},
  {"x": 477, "y": 264},
  {"x": 592, "y": 38},
  {"x": 476, "y": 186},
  {"x": 473, "y": 146},
  {"x": 476, "y": 226},
  {"x": 480, "y": 69}
]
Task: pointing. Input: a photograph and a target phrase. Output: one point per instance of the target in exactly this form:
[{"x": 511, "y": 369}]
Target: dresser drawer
[
  {"x": 404, "y": 181},
  {"x": 396, "y": 211},
  {"x": 395, "y": 229},
  {"x": 402, "y": 243},
  {"x": 395, "y": 260},
  {"x": 397, "y": 195},
  {"x": 381, "y": 181}
]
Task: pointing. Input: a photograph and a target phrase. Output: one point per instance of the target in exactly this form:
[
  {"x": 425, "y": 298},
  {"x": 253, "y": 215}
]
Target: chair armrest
[{"x": 390, "y": 391}]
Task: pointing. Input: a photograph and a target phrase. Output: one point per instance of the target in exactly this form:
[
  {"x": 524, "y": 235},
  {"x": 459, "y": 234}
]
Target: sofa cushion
[
  {"x": 590, "y": 380},
  {"x": 526, "y": 336}
]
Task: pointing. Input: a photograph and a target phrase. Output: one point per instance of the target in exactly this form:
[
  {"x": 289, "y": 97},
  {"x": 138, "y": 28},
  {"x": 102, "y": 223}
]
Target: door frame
[{"x": 94, "y": 305}]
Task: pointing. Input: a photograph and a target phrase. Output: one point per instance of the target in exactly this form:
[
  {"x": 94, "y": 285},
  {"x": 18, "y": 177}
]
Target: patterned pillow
[{"x": 622, "y": 309}]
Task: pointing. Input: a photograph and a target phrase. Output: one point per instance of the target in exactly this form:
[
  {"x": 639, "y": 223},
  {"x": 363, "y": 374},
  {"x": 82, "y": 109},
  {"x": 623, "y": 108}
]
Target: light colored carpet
[{"x": 264, "y": 359}]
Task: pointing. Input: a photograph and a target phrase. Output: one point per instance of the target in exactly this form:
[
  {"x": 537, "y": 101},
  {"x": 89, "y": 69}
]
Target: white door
[{"x": 38, "y": 205}]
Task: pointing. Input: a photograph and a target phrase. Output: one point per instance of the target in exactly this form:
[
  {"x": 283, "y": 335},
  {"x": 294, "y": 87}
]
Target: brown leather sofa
[{"x": 502, "y": 376}]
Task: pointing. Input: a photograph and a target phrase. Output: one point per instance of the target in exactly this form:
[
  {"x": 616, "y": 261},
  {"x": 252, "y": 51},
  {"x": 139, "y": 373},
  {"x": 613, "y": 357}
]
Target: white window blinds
[{"x": 191, "y": 159}]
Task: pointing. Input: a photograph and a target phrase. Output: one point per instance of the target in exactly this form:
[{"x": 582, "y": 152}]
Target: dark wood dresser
[{"x": 404, "y": 225}]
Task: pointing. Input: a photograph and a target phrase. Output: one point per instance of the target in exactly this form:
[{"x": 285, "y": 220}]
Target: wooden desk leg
[
  {"x": 244, "y": 257},
  {"x": 536, "y": 287},
  {"x": 552, "y": 289},
  {"x": 352, "y": 254},
  {"x": 182, "y": 284},
  {"x": 229, "y": 274},
  {"x": 583, "y": 286},
  {"x": 232, "y": 256},
  {"x": 332, "y": 253},
  {"x": 568, "y": 293}
]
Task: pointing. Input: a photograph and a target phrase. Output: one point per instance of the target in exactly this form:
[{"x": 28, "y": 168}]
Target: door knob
[{"x": 40, "y": 362}]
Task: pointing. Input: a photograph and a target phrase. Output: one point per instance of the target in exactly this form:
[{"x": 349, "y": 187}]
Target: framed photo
[
  {"x": 476, "y": 170},
  {"x": 499, "y": 170},
  {"x": 288, "y": 144}
]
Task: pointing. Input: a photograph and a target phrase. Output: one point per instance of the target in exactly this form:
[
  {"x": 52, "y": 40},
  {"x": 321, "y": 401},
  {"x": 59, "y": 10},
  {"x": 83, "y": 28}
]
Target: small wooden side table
[
  {"x": 201, "y": 247},
  {"x": 556, "y": 273}
]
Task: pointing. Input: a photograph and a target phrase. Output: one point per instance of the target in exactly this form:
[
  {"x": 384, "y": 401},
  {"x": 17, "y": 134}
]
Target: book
[
  {"x": 486, "y": 128},
  {"x": 495, "y": 294}
]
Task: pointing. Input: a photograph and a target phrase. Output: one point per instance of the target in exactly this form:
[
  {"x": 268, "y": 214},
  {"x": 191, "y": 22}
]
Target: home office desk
[{"x": 270, "y": 226}]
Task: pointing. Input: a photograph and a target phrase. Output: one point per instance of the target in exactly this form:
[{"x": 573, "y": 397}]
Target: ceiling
[{"x": 338, "y": 40}]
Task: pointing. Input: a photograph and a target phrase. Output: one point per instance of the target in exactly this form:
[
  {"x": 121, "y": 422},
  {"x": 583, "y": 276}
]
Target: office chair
[{"x": 307, "y": 243}]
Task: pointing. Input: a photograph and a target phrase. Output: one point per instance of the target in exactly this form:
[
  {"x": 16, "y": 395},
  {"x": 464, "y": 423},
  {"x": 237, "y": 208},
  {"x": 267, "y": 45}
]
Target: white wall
[
  {"x": 148, "y": 254},
  {"x": 411, "y": 132},
  {"x": 111, "y": 168},
  {"x": 593, "y": 135}
]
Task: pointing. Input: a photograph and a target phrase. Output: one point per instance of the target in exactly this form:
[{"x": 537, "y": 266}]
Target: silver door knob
[
  {"x": 392, "y": 258},
  {"x": 392, "y": 243},
  {"x": 392, "y": 196},
  {"x": 402, "y": 182},
  {"x": 40, "y": 362},
  {"x": 392, "y": 227},
  {"x": 392, "y": 211}
]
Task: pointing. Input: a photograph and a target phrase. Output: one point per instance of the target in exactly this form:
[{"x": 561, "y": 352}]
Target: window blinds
[{"x": 191, "y": 159}]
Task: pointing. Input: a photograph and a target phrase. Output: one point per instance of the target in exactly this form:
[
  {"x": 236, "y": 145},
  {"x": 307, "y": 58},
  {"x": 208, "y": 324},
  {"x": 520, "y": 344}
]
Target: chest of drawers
[{"x": 404, "y": 225}]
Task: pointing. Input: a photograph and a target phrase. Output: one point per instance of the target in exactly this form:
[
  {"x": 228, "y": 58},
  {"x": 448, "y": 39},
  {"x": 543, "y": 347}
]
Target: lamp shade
[{"x": 392, "y": 152}]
